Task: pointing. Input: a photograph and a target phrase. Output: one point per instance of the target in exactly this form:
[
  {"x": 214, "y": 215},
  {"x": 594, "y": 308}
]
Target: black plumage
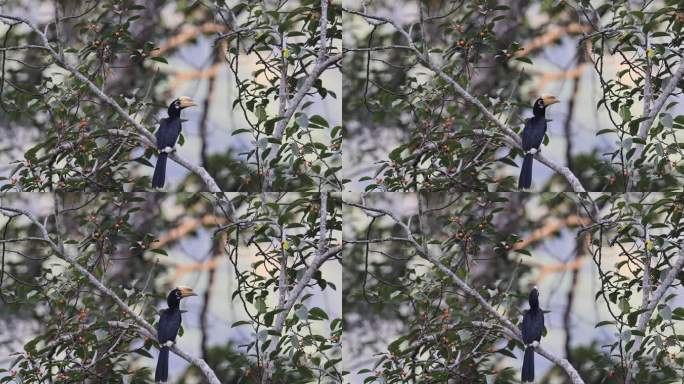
[
  {"x": 167, "y": 135},
  {"x": 532, "y": 137},
  {"x": 532, "y": 329},
  {"x": 167, "y": 330}
]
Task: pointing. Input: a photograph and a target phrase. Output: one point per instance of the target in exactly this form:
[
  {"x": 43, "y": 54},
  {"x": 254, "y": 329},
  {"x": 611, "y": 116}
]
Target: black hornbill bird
[
  {"x": 167, "y": 134},
  {"x": 532, "y": 137},
  {"x": 532, "y": 328},
  {"x": 167, "y": 330}
]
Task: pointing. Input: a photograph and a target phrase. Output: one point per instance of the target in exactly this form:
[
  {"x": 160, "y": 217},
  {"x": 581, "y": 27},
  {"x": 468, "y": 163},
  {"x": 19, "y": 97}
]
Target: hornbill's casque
[
  {"x": 167, "y": 134},
  {"x": 532, "y": 137},
  {"x": 532, "y": 328},
  {"x": 167, "y": 330}
]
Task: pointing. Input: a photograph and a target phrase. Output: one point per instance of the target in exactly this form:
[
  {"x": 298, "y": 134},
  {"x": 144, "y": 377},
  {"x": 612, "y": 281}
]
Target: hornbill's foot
[
  {"x": 169, "y": 344},
  {"x": 533, "y": 151},
  {"x": 168, "y": 149}
]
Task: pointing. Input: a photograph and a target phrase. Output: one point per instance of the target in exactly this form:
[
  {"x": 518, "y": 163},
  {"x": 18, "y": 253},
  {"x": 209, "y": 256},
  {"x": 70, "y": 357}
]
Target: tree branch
[
  {"x": 652, "y": 111},
  {"x": 293, "y": 295},
  {"x": 322, "y": 63},
  {"x": 61, "y": 252},
  {"x": 649, "y": 305},
  {"x": 507, "y": 131},
  {"x": 511, "y": 329},
  {"x": 149, "y": 137}
]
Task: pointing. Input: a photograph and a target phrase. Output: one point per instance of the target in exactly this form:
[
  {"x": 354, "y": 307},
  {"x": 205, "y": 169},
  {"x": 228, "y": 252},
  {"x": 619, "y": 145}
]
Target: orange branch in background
[
  {"x": 549, "y": 228},
  {"x": 551, "y": 36},
  {"x": 548, "y": 77},
  {"x": 182, "y": 269},
  {"x": 183, "y": 76},
  {"x": 214, "y": 262},
  {"x": 559, "y": 267},
  {"x": 185, "y": 227},
  {"x": 187, "y": 34},
  {"x": 182, "y": 230}
]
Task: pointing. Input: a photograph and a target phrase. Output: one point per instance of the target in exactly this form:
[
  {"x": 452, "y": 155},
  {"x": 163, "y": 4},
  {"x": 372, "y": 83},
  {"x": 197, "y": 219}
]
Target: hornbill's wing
[
  {"x": 527, "y": 135},
  {"x": 541, "y": 326},
  {"x": 533, "y": 134},
  {"x": 532, "y": 326},
  {"x": 168, "y": 132},
  {"x": 169, "y": 324},
  {"x": 158, "y": 134},
  {"x": 526, "y": 328}
]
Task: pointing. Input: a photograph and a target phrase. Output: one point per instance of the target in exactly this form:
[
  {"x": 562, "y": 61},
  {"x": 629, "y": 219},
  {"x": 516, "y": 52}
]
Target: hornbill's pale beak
[
  {"x": 186, "y": 291},
  {"x": 186, "y": 102},
  {"x": 548, "y": 100}
]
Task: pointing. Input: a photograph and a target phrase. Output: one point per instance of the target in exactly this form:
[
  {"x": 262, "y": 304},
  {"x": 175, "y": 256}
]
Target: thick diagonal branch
[
  {"x": 287, "y": 299},
  {"x": 511, "y": 330},
  {"x": 649, "y": 304},
  {"x": 147, "y": 137},
  {"x": 288, "y": 107},
  {"x": 505, "y": 130},
  {"x": 61, "y": 252}
]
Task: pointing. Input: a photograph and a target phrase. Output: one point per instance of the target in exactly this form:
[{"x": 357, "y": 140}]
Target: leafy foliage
[
  {"x": 648, "y": 39},
  {"x": 435, "y": 138},
  {"x": 308, "y": 344},
  {"x": 77, "y": 142},
  {"x": 75, "y": 333},
  {"x": 492, "y": 242}
]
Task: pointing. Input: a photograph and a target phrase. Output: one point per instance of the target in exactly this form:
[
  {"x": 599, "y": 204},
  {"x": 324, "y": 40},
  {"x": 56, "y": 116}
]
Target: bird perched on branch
[
  {"x": 167, "y": 330},
  {"x": 532, "y": 329},
  {"x": 167, "y": 134},
  {"x": 532, "y": 137}
]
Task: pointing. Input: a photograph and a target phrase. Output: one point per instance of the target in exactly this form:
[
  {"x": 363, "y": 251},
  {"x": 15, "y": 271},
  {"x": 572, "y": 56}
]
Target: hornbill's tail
[
  {"x": 160, "y": 171},
  {"x": 162, "y": 372},
  {"x": 525, "y": 180},
  {"x": 528, "y": 365}
]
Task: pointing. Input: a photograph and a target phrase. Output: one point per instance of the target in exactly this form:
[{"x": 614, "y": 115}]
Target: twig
[
  {"x": 149, "y": 137},
  {"x": 507, "y": 131},
  {"x": 62, "y": 253},
  {"x": 649, "y": 305},
  {"x": 511, "y": 329},
  {"x": 322, "y": 63},
  {"x": 293, "y": 295},
  {"x": 658, "y": 105}
]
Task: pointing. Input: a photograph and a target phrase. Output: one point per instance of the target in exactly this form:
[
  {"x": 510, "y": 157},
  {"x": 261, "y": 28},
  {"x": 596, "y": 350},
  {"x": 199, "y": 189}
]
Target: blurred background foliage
[
  {"x": 407, "y": 129},
  {"x": 226, "y": 55},
  {"x": 406, "y": 321},
  {"x": 54, "y": 326}
]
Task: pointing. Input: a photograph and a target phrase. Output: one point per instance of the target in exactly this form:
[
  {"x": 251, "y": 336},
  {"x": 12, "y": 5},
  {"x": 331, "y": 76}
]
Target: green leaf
[
  {"x": 395, "y": 155},
  {"x": 239, "y": 131},
  {"x": 506, "y": 352},
  {"x": 625, "y": 113},
  {"x": 603, "y": 323},
  {"x": 260, "y": 305},
  {"x": 160, "y": 59},
  {"x": 143, "y": 352},
  {"x": 318, "y": 120},
  {"x": 239, "y": 323},
  {"x": 316, "y": 313}
]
